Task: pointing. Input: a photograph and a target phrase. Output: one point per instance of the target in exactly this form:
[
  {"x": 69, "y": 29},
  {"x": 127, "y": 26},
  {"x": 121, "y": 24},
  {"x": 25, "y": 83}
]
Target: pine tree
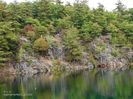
[
  {"x": 8, "y": 43},
  {"x": 72, "y": 45}
]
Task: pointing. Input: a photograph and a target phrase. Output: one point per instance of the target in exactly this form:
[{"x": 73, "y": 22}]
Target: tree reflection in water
[{"x": 85, "y": 85}]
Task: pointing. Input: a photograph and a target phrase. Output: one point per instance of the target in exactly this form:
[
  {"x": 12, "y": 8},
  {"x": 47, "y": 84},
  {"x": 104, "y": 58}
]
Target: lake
[{"x": 84, "y": 85}]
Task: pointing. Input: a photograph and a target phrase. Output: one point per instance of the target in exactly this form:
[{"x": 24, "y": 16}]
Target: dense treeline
[{"x": 76, "y": 24}]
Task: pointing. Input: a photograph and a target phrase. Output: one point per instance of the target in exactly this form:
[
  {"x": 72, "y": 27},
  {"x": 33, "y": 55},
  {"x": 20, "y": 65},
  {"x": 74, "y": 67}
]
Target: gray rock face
[
  {"x": 56, "y": 52},
  {"x": 130, "y": 55},
  {"x": 31, "y": 65},
  {"x": 84, "y": 59},
  {"x": 105, "y": 58},
  {"x": 28, "y": 64},
  {"x": 91, "y": 66}
]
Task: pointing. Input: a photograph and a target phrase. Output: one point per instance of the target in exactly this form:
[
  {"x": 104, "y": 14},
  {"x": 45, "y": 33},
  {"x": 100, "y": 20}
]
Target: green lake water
[{"x": 85, "y": 85}]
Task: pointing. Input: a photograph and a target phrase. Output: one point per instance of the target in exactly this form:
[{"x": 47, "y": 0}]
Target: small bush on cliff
[
  {"x": 58, "y": 68},
  {"x": 100, "y": 48},
  {"x": 30, "y": 34},
  {"x": 49, "y": 39},
  {"x": 115, "y": 52},
  {"x": 119, "y": 39},
  {"x": 40, "y": 45}
]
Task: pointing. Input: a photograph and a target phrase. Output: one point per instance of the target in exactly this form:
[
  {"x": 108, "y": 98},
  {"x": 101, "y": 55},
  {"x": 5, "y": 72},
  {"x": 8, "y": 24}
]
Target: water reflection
[{"x": 86, "y": 85}]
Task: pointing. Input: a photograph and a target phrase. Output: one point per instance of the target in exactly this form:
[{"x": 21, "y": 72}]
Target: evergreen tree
[
  {"x": 8, "y": 42},
  {"x": 72, "y": 45}
]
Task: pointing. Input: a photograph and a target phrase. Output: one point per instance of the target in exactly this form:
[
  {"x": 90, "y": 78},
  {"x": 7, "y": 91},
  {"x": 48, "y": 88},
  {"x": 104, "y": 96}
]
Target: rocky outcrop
[
  {"x": 101, "y": 54},
  {"x": 32, "y": 65},
  {"x": 109, "y": 57}
]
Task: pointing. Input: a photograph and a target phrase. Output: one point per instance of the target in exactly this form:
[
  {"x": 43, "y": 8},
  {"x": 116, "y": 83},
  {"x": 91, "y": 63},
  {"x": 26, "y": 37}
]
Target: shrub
[
  {"x": 40, "y": 45},
  {"x": 49, "y": 38},
  {"x": 58, "y": 68},
  {"x": 100, "y": 48},
  {"x": 115, "y": 52},
  {"x": 51, "y": 29},
  {"x": 111, "y": 28},
  {"x": 30, "y": 34},
  {"x": 41, "y": 30},
  {"x": 28, "y": 47},
  {"x": 119, "y": 39}
]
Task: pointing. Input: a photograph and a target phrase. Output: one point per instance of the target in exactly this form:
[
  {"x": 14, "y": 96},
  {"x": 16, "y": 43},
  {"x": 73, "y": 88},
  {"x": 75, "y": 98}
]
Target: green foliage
[
  {"x": 56, "y": 11},
  {"x": 40, "y": 45},
  {"x": 90, "y": 30},
  {"x": 64, "y": 23},
  {"x": 58, "y": 68},
  {"x": 115, "y": 52},
  {"x": 41, "y": 30},
  {"x": 100, "y": 47},
  {"x": 31, "y": 34},
  {"x": 92, "y": 59},
  {"x": 72, "y": 45},
  {"x": 72, "y": 25},
  {"x": 20, "y": 53},
  {"x": 119, "y": 39},
  {"x": 26, "y": 46},
  {"x": 111, "y": 28},
  {"x": 99, "y": 16},
  {"x": 30, "y": 20},
  {"x": 51, "y": 29},
  {"x": 38, "y": 28},
  {"x": 130, "y": 14},
  {"x": 79, "y": 14},
  {"x": 50, "y": 40},
  {"x": 8, "y": 42},
  {"x": 127, "y": 29}
]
